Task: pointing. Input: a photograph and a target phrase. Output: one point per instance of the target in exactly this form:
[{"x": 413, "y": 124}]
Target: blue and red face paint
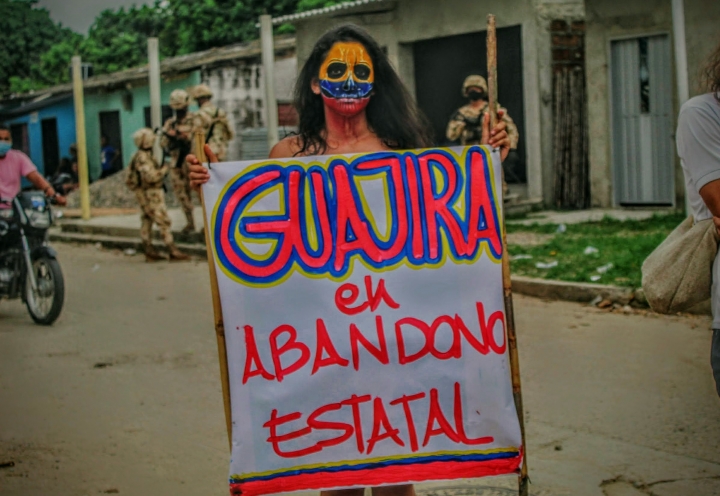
[{"x": 346, "y": 78}]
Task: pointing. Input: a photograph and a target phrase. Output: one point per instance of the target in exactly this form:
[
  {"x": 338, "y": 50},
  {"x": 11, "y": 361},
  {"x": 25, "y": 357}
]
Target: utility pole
[
  {"x": 83, "y": 173},
  {"x": 268, "y": 62},
  {"x": 681, "y": 70},
  {"x": 154, "y": 83}
]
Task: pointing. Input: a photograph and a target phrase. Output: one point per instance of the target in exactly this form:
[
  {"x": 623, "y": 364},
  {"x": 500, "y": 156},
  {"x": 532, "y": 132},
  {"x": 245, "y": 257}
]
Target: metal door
[
  {"x": 110, "y": 128},
  {"x": 441, "y": 66},
  {"x": 642, "y": 121},
  {"x": 50, "y": 146}
]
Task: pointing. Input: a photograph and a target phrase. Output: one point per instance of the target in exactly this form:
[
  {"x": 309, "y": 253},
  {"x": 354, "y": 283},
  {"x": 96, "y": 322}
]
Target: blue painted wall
[
  {"x": 131, "y": 119},
  {"x": 64, "y": 113}
]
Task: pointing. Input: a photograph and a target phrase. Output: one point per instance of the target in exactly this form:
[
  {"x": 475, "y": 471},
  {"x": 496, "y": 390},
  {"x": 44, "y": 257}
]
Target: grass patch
[{"x": 624, "y": 244}]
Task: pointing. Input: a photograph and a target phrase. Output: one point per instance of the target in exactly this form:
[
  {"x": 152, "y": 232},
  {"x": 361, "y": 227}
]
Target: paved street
[{"x": 122, "y": 395}]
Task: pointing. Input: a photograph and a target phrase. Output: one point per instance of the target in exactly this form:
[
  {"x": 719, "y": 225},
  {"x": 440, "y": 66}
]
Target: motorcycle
[{"x": 28, "y": 266}]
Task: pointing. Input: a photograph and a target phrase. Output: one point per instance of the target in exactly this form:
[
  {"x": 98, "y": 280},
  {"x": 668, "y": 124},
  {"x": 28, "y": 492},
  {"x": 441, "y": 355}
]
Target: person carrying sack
[{"x": 698, "y": 145}]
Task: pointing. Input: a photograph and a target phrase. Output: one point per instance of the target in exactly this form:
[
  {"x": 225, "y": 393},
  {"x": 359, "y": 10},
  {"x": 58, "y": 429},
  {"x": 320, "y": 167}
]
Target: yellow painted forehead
[{"x": 351, "y": 53}]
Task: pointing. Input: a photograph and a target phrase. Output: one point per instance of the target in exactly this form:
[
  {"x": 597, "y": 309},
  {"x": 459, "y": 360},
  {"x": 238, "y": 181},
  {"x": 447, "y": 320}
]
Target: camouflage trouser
[
  {"x": 219, "y": 148},
  {"x": 183, "y": 191},
  {"x": 152, "y": 204}
]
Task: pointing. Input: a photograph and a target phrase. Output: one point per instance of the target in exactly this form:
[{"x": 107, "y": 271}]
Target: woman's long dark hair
[{"x": 391, "y": 113}]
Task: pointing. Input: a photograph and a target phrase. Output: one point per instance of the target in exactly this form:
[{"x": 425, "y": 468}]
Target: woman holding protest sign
[{"x": 350, "y": 100}]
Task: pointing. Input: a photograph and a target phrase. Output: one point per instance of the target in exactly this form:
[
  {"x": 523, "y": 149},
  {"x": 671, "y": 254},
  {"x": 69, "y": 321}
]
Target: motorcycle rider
[{"x": 14, "y": 165}]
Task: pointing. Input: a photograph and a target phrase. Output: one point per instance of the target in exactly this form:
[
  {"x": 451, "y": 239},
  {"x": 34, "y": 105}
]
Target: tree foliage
[
  {"x": 28, "y": 34},
  {"x": 118, "y": 38}
]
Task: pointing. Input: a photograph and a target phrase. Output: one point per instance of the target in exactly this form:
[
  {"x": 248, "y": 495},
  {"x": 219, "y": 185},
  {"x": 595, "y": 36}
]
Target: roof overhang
[
  {"x": 169, "y": 68},
  {"x": 339, "y": 10},
  {"x": 33, "y": 105}
]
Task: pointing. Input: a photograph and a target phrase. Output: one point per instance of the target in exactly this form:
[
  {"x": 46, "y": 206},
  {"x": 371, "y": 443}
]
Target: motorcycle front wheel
[{"x": 46, "y": 303}]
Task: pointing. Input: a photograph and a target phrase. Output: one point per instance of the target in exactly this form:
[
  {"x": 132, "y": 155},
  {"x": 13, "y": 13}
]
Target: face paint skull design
[{"x": 346, "y": 78}]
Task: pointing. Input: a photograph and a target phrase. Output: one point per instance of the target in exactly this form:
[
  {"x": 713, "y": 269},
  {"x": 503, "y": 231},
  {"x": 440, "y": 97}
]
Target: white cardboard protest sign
[{"x": 362, "y": 300}]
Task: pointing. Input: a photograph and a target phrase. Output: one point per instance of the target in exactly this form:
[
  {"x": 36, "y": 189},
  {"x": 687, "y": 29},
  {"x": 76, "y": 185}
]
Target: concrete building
[
  {"x": 554, "y": 71},
  {"x": 238, "y": 88},
  {"x": 623, "y": 40},
  {"x": 118, "y": 104}
]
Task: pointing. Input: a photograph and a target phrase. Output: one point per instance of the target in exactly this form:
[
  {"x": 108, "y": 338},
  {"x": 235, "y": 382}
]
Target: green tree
[
  {"x": 28, "y": 33},
  {"x": 304, "y": 5},
  {"x": 118, "y": 39},
  {"x": 202, "y": 24}
]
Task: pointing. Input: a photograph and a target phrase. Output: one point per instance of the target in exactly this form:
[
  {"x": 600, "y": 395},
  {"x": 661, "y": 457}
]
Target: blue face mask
[{"x": 4, "y": 148}]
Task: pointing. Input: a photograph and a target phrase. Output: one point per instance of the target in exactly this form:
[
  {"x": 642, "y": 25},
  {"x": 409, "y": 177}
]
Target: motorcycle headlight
[{"x": 38, "y": 220}]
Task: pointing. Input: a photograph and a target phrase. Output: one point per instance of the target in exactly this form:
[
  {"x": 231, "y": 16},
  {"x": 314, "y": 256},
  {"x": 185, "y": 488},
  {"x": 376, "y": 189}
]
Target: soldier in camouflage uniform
[
  {"x": 466, "y": 123},
  {"x": 177, "y": 143},
  {"x": 145, "y": 178},
  {"x": 212, "y": 122}
]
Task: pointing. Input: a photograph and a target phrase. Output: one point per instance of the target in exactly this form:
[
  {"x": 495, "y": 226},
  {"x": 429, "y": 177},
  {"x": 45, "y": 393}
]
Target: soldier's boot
[
  {"x": 176, "y": 255},
  {"x": 190, "y": 226},
  {"x": 151, "y": 254}
]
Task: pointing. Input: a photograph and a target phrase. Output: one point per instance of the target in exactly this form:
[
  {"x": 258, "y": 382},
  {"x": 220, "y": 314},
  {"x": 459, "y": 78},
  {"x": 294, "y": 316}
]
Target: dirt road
[{"x": 122, "y": 395}]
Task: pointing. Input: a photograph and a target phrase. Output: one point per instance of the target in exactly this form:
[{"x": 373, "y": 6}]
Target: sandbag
[{"x": 677, "y": 275}]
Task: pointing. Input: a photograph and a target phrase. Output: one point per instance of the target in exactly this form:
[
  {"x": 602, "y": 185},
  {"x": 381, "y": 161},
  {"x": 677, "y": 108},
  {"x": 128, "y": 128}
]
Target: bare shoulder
[{"x": 286, "y": 147}]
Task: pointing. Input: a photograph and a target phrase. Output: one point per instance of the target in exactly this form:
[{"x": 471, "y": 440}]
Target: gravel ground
[{"x": 111, "y": 192}]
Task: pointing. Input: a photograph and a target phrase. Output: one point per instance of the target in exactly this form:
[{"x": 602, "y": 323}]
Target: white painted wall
[{"x": 238, "y": 89}]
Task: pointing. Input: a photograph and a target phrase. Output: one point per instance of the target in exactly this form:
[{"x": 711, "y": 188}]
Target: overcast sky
[{"x": 79, "y": 14}]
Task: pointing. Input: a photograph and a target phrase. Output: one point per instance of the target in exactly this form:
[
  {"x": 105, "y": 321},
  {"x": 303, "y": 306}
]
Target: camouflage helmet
[
  {"x": 474, "y": 81},
  {"x": 144, "y": 138},
  {"x": 202, "y": 91},
  {"x": 179, "y": 99}
]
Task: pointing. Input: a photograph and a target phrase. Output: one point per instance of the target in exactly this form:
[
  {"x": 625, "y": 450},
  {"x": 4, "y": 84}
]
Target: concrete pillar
[
  {"x": 268, "y": 62},
  {"x": 681, "y": 67},
  {"x": 154, "y": 84},
  {"x": 533, "y": 106}
]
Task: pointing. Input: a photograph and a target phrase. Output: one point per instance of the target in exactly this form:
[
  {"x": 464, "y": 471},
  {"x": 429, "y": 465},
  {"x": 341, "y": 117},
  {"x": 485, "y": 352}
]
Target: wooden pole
[
  {"x": 507, "y": 283},
  {"x": 492, "y": 69},
  {"x": 81, "y": 141},
  {"x": 217, "y": 307}
]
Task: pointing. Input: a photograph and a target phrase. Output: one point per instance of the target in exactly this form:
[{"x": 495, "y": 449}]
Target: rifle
[{"x": 175, "y": 143}]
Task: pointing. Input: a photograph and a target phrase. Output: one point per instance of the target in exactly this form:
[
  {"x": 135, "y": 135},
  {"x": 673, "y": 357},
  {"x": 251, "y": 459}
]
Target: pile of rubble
[{"x": 112, "y": 192}]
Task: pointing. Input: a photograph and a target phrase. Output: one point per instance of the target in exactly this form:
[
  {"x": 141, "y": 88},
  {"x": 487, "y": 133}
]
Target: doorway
[
  {"x": 50, "y": 146},
  {"x": 441, "y": 66},
  {"x": 20, "y": 138},
  {"x": 642, "y": 121},
  {"x": 166, "y": 112},
  {"x": 110, "y": 128}
]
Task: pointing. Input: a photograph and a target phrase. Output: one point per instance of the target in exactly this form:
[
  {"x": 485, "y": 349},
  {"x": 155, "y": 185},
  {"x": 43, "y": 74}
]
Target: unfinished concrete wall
[
  {"x": 239, "y": 89},
  {"x": 702, "y": 35},
  {"x": 548, "y": 13},
  {"x": 607, "y": 20}
]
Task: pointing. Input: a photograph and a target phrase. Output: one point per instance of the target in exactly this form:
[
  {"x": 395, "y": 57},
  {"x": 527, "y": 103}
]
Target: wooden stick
[
  {"x": 217, "y": 307},
  {"x": 492, "y": 69},
  {"x": 507, "y": 283}
]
